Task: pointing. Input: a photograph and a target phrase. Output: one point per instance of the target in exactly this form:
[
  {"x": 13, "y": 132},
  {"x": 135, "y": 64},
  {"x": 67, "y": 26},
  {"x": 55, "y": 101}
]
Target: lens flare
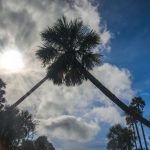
[{"x": 11, "y": 61}]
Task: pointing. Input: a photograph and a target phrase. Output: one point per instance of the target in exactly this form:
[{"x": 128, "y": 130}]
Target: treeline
[
  {"x": 129, "y": 137},
  {"x": 17, "y": 128}
]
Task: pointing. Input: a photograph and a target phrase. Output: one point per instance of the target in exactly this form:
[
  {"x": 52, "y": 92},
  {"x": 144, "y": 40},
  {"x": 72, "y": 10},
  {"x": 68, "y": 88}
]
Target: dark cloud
[{"x": 71, "y": 128}]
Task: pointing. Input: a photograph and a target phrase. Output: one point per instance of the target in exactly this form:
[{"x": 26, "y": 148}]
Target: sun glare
[{"x": 11, "y": 61}]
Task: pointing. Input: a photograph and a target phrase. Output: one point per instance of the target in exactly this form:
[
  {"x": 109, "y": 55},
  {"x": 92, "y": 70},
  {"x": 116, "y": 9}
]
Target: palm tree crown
[
  {"x": 63, "y": 45},
  {"x": 138, "y": 104},
  {"x": 67, "y": 54}
]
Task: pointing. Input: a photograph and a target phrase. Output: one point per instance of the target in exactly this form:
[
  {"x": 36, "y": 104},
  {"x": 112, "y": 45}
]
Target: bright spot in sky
[{"x": 11, "y": 61}]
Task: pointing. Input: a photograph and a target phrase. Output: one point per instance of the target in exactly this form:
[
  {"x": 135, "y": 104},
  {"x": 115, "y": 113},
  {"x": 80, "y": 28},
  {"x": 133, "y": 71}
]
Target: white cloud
[
  {"x": 105, "y": 37},
  {"x": 68, "y": 128},
  {"x": 50, "y": 102},
  {"x": 108, "y": 114},
  {"x": 115, "y": 79},
  {"x": 20, "y": 25}
]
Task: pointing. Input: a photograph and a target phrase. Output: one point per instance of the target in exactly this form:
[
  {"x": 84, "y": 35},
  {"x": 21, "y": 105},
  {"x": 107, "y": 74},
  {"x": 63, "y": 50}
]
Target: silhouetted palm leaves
[
  {"x": 64, "y": 44},
  {"x": 138, "y": 105},
  {"x": 67, "y": 53}
]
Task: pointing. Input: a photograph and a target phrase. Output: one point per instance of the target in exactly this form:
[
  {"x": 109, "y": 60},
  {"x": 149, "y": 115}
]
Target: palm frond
[
  {"x": 89, "y": 60},
  {"x": 57, "y": 70},
  {"x": 64, "y": 44},
  {"x": 74, "y": 76},
  {"x": 46, "y": 54},
  {"x": 89, "y": 41}
]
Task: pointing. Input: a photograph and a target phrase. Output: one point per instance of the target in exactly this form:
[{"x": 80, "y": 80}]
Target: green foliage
[
  {"x": 17, "y": 127},
  {"x": 137, "y": 105},
  {"x": 64, "y": 45},
  {"x": 120, "y": 138},
  {"x": 41, "y": 143}
]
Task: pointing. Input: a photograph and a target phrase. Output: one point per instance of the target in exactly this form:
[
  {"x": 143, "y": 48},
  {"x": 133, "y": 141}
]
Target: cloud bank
[
  {"x": 62, "y": 111},
  {"x": 69, "y": 128}
]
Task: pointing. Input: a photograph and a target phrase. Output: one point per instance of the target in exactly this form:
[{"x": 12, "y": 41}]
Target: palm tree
[
  {"x": 138, "y": 134},
  {"x": 67, "y": 54},
  {"x": 138, "y": 105},
  {"x": 130, "y": 123}
]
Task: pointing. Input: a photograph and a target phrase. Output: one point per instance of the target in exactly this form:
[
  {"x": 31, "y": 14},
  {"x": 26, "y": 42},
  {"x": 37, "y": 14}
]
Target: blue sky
[
  {"x": 83, "y": 109},
  {"x": 129, "y": 23}
]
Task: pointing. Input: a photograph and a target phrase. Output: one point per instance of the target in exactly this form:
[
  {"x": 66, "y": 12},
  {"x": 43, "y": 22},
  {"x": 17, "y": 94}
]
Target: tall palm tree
[
  {"x": 130, "y": 123},
  {"x": 138, "y": 105},
  {"x": 67, "y": 54},
  {"x": 138, "y": 134}
]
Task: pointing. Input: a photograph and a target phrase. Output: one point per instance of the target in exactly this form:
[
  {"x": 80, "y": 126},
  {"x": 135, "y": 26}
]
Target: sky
[
  {"x": 129, "y": 23},
  {"x": 77, "y": 117}
]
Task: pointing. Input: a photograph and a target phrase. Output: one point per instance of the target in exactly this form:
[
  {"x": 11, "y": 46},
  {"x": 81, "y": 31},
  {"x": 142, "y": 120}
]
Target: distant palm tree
[
  {"x": 67, "y": 54},
  {"x": 138, "y": 134},
  {"x": 130, "y": 123},
  {"x": 138, "y": 105}
]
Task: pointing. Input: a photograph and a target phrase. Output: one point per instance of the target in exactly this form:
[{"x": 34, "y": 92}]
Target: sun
[{"x": 11, "y": 61}]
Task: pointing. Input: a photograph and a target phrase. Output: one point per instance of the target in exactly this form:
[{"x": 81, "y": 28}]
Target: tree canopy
[
  {"x": 120, "y": 138},
  {"x": 64, "y": 44},
  {"x": 41, "y": 143},
  {"x": 17, "y": 127}
]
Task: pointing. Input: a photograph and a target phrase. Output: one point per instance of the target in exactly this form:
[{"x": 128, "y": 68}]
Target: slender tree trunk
[
  {"x": 143, "y": 131},
  {"x": 138, "y": 134},
  {"x": 144, "y": 136},
  {"x": 101, "y": 87},
  {"x": 113, "y": 98},
  {"x": 134, "y": 136},
  {"x": 29, "y": 92}
]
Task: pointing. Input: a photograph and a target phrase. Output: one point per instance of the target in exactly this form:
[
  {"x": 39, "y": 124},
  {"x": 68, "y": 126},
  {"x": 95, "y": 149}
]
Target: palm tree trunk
[
  {"x": 101, "y": 87},
  {"x": 29, "y": 92},
  {"x": 139, "y": 138},
  {"x": 113, "y": 98},
  {"x": 134, "y": 136},
  {"x": 144, "y": 136}
]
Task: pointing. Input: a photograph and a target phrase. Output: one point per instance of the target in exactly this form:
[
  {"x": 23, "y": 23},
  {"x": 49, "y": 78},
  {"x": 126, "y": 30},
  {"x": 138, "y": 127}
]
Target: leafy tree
[
  {"x": 67, "y": 54},
  {"x": 120, "y": 138},
  {"x": 41, "y": 143},
  {"x": 15, "y": 125},
  {"x": 27, "y": 145},
  {"x": 138, "y": 105}
]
